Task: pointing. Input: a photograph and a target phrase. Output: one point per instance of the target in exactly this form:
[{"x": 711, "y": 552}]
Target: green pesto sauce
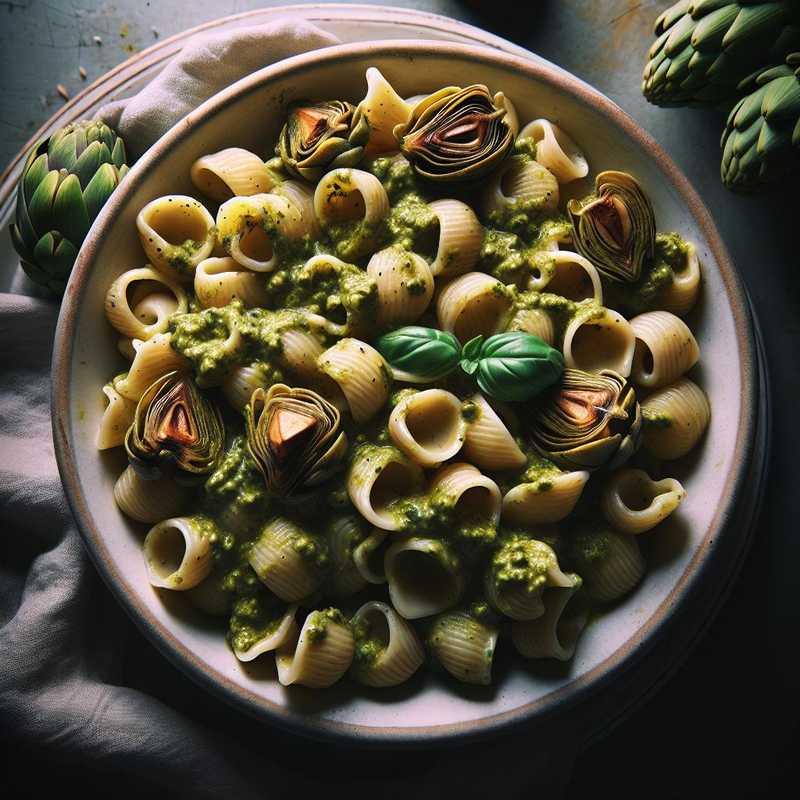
[
  {"x": 252, "y": 619},
  {"x": 235, "y": 491},
  {"x": 208, "y": 339},
  {"x": 589, "y": 546},
  {"x": 180, "y": 256},
  {"x": 313, "y": 548},
  {"x": 396, "y": 175},
  {"x": 397, "y": 397},
  {"x": 645, "y": 294},
  {"x": 655, "y": 421},
  {"x": 522, "y": 561},
  {"x": 341, "y": 292},
  {"x": 368, "y": 648},
  {"x": 318, "y": 622}
]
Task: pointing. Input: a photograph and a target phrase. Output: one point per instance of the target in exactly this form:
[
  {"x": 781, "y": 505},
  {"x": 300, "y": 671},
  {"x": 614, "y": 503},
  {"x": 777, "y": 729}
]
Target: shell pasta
[{"x": 404, "y": 389}]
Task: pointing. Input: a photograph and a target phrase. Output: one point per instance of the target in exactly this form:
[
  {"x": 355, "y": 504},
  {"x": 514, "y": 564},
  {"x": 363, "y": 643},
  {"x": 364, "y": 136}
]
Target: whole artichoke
[
  {"x": 706, "y": 47},
  {"x": 761, "y": 140},
  {"x": 65, "y": 182},
  {"x": 319, "y": 137},
  {"x": 588, "y": 421}
]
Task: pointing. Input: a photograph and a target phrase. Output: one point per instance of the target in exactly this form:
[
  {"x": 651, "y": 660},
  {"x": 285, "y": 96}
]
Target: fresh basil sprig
[
  {"x": 419, "y": 355},
  {"x": 512, "y": 366}
]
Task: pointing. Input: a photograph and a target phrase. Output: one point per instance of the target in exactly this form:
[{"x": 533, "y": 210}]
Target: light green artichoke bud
[
  {"x": 588, "y": 421},
  {"x": 175, "y": 430},
  {"x": 458, "y": 134},
  {"x": 65, "y": 182},
  {"x": 761, "y": 140},
  {"x": 706, "y": 47},
  {"x": 296, "y": 439},
  {"x": 319, "y": 137},
  {"x": 616, "y": 228}
]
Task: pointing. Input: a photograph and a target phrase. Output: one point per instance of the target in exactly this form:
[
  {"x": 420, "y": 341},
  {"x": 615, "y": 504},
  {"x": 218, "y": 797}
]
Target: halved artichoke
[
  {"x": 175, "y": 429},
  {"x": 458, "y": 134},
  {"x": 319, "y": 137},
  {"x": 615, "y": 228},
  {"x": 588, "y": 421},
  {"x": 296, "y": 439}
]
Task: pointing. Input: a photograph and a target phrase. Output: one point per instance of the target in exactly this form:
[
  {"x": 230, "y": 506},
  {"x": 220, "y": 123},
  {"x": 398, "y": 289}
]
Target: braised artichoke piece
[
  {"x": 175, "y": 429},
  {"x": 615, "y": 228},
  {"x": 296, "y": 439},
  {"x": 458, "y": 134},
  {"x": 588, "y": 421},
  {"x": 319, "y": 137}
]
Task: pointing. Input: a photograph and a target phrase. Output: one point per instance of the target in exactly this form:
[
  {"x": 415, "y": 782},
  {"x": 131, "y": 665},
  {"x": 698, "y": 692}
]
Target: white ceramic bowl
[{"x": 249, "y": 114}]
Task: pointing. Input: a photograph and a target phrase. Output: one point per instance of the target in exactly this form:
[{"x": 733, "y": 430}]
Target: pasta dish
[{"x": 404, "y": 391}]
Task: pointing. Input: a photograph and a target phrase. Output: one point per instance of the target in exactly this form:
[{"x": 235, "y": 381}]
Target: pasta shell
[
  {"x": 634, "y": 503},
  {"x": 549, "y": 500},
  {"x": 488, "y": 443},
  {"x": 676, "y": 418},
  {"x": 600, "y": 340},
  {"x": 177, "y": 554},
  {"x": 460, "y": 238},
  {"x": 665, "y": 349},
  {"x": 397, "y": 652},
  {"x": 473, "y": 304},
  {"x": 428, "y": 426},
  {"x": 556, "y": 150},
  {"x": 232, "y": 172},
  {"x": 177, "y": 233}
]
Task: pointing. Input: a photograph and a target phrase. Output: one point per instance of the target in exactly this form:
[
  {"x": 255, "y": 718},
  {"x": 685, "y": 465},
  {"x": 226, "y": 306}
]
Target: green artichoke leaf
[
  {"x": 35, "y": 172},
  {"x": 89, "y": 162},
  {"x": 118, "y": 155},
  {"x": 40, "y": 206},
  {"x": 516, "y": 366},
  {"x": 69, "y": 216},
  {"x": 99, "y": 189},
  {"x": 61, "y": 152},
  {"x": 419, "y": 355}
]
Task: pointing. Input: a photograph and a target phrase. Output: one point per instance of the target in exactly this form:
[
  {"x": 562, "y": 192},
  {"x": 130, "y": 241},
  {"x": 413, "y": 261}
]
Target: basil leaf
[
  {"x": 516, "y": 366},
  {"x": 419, "y": 355}
]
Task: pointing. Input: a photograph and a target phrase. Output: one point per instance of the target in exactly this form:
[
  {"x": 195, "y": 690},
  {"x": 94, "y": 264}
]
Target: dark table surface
[{"x": 726, "y": 724}]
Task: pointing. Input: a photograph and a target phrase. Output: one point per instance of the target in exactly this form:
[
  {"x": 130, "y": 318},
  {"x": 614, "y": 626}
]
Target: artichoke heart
[
  {"x": 458, "y": 134},
  {"x": 65, "y": 182},
  {"x": 616, "y": 228},
  {"x": 588, "y": 421},
  {"x": 319, "y": 137},
  {"x": 175, "y": 428},
  {"x": 296, "y": 439}
]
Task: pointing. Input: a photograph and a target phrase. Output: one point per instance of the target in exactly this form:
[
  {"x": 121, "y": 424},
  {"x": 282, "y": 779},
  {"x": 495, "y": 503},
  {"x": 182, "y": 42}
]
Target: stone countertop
[{"x": 742, "y": 678}]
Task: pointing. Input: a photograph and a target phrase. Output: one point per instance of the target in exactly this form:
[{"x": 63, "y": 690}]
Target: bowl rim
[{"x": 219, "y": 684}]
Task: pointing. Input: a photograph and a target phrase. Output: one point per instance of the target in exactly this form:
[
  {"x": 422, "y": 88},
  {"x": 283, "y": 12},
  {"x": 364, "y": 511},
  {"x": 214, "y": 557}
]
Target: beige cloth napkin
[{"x": 207, "y": 64}]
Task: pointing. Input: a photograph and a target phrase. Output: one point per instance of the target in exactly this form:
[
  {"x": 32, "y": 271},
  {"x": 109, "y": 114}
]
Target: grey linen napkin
[{"x": 82, "y": 693}]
